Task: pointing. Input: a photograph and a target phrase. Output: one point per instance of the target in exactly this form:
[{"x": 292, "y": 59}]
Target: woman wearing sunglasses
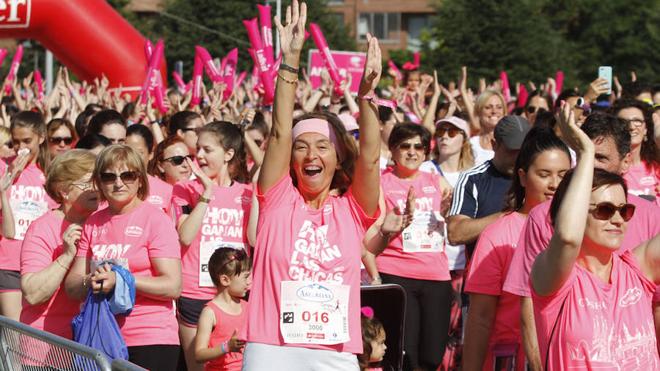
[
  {"x": 492, "y": 330},
  {"x": 592, "y": 305},
  {"x": 309, "y": 239},
  {"x": 141, "y": 238},
  {"x": 415, "y": 258},
  {"x": 169, "y": 161},
  {"x": 49, "y": 247},
  {"x": 212, "y": 212},
  {"x": 538, "y": 100},
  {"x": 61, "y": 136}
]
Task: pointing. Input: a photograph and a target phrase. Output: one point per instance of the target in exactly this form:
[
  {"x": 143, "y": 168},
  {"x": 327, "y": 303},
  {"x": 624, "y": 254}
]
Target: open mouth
[{"x": 312, "y": 170}]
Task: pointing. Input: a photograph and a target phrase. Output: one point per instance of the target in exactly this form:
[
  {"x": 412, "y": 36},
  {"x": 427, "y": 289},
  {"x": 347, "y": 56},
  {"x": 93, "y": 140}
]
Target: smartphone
[{"x": 605, "y": 72}]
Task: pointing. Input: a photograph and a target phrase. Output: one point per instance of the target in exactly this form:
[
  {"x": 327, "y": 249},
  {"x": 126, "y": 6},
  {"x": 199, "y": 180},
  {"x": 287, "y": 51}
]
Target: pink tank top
[{"x": 225, "y": 324}]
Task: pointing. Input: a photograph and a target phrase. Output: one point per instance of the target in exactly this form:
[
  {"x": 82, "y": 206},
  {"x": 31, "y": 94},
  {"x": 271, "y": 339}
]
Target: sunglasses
[
  {"x": 407, "y": 146},
  {"x": 177, "y": 160},
  {"x": 127, "y": 177},
  {"x": 532, "y": 109},
  {"x": 451, "y": 131},
  {"x": 605, "y": 211},
  {"x": 58, "y": 140}
]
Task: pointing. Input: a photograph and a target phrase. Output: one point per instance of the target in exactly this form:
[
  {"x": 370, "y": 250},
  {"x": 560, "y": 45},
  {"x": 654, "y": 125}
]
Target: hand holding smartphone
[{"x": 605, "y": 72}]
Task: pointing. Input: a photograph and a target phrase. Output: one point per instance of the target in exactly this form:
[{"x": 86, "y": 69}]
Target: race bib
[
  {"x": 25, "y": 212},
  {"x": 206, "y": 249},
  {"x": 425, "y": 233},
  {"x": 314, "y": 312}
]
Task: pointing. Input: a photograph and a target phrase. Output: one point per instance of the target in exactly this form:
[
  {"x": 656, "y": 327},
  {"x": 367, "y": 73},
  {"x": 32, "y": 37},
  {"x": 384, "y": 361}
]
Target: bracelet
[
  {"x": 286, "y": 67},
  {"x": 279, "y": 76},
  {"x": 203, "y": 199},
  {"x": 84, "y": 282},
  {"x": 223, "y": 347},
  {"x": 61, "y": 265},
  {"x": 387, "y": 236}
]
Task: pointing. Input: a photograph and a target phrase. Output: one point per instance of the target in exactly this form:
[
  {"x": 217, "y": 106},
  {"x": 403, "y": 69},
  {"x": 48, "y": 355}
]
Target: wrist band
[
  {"x": 379, "y": 102},
  {"x": 286, "y": 67},
  {"x": 203, "y": 199},
  {"x": 223, "y": 347},
  {"x": 279, "y": 76}
]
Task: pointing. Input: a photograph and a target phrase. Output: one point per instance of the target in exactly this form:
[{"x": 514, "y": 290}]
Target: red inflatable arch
[{"x": 87, "y": 36}]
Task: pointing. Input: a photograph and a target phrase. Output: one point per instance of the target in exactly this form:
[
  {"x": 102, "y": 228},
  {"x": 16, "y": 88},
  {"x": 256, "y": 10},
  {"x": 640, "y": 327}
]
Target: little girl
[
  {"x": 373, "y": 342},
  {"x": 216, "y": 341}
]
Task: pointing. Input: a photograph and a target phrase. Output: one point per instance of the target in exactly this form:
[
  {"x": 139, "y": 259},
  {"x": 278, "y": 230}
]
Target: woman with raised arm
[
  {"x": 304, "y": 310},
  {"x": 592, "y": 306}
]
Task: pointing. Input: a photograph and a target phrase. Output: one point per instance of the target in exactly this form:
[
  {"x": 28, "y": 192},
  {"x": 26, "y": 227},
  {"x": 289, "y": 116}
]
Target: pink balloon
[
  {"x": 152, "y": 72},
  {"x": 260, "y": 60},
  {"x": 506, "y": 91},
  {"x": 229, "y": 71},
  {"x": 322, "y": 45},
  {"x": 198, "y": 68},
  {"x": 394, "y": 68},
  {"x": 15, "y": 63},
  {"x": 38, "y": 80},
  {"x": 179, "y": 81},
  {"x": 209, "y": 66},
  {"x": 266, "y": 31}
]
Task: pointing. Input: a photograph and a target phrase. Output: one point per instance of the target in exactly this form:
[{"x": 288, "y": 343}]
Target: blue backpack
[{"x": 97, "y": 327}]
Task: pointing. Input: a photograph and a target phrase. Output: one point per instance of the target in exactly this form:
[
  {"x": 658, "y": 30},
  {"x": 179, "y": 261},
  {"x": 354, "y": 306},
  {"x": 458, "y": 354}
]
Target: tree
[{"x": 489, "y": 36}]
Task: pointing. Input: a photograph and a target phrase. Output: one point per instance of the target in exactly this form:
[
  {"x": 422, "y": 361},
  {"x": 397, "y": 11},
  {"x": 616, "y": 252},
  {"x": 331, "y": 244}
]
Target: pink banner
[
  {"x": 506, "y": 91},
  {"x": 38, "y": 80},
  {"x": 394, "y": 69},
  {"x": 153, "y": 72},
  {"x": 522, "y": 96},
  {"x": 260, "y": 60},
  {"x": 322, "y": 45},
  {"x": 559, "y": 79},
  {"x": 13, "y": 70},
  {"x": 229, "y": 72},
  {"x": 210, "y": 67},
  {"x": 265, "y": 20},
  {"x": 198, "y": 68},
  {"x": 347, "y": 63}
]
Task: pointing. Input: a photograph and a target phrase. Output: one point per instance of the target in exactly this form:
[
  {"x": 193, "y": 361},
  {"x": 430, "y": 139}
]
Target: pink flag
[
  {"x": 522, "y": 96},
  {"x": 210, "y": 67},
  {"x": 322, "y": 45},
  {"x": 505, "y": 87},
  {"x": 559, "y": 79},
  {"x": 38, "y": 80},
  {"x": 266, "y": 31},
  {"x": 198, "y": 68},
  {"x": 15, "y": 63},
  {"x": 396, "y": 71},
  {"x": 260, "y": 60},
  {"x": 229, "y": 71}
]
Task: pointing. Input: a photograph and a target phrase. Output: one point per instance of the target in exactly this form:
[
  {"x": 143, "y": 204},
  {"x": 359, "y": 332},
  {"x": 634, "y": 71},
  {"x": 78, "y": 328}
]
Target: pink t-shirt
[
  {"x": 224, "y": 225},
  {"x": 225, "y": 325},
  {"x": 29, "y": 201},
  {"x": 536, "y": 234},
  {"x": 486, "y": 273},
  {"x": 422, "y": 254},
  {"x": 132, "y": 240},
  {"x": 643, "y": 182},
  {"x": 299, "y": 243},
  {"x": 598, "y": 325},
  {"x": 160, "y": 193},
  {"x": 41, "y": 246}
]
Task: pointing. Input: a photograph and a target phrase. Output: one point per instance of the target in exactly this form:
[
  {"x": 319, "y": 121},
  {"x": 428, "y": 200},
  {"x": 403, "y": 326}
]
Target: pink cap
[
  {"x": 458, "y": 122},
  {"x": 349, "y": 121}
]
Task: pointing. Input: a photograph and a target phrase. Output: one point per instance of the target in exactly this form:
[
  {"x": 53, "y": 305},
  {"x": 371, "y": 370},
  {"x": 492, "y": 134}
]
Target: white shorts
[{"x": 258, "y": 357}]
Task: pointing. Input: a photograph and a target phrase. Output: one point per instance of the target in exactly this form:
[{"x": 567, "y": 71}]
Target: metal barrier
[
  {"x": 25, "y": 348},
  {"x": 121, "y": 365}
]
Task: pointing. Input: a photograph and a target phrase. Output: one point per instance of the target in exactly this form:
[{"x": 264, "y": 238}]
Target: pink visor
[{"x": 319, "y": 126}]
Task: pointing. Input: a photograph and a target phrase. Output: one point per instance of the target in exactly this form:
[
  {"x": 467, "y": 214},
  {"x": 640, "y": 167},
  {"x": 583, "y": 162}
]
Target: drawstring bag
[
  {"x": 122, "y": 298},
  {"x": 97, "y": 327}
]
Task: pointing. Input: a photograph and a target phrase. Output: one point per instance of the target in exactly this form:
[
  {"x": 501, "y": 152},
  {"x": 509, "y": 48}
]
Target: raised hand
[
  {"x": 571, "y": 132},
  {"x": 596, "y": 88},
  {"x": 397, "y": 220},
  {"x": 372, "y": 68},
  {"x": 292, "y": 33},
  {"x": 71, "y": 236},
  {"x": 201, "y": 175}
]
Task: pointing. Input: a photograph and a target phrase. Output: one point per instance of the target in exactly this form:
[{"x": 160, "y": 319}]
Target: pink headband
[{"x": 318, "y": 126}]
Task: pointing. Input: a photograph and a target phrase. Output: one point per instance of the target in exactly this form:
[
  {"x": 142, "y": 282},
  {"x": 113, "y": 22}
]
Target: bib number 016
[{"x": 316, "y": 316}]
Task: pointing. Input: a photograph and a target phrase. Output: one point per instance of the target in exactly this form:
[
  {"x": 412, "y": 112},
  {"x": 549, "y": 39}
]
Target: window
[
  {"x": 385, "y": 26},
  {"x": 416, "y": 24}
]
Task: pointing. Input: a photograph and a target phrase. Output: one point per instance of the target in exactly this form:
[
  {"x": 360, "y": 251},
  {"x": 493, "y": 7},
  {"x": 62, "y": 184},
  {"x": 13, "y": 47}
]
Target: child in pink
[
  {"x": 133, "y": 240},
  {"x": 225, "y": 315}
]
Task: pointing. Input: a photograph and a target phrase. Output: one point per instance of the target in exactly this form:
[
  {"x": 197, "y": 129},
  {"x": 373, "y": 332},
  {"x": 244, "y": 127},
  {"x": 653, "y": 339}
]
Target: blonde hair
[
  {"x": 5, "y": 135},
  {"x": 121, "y": 154},
  {"x": 66, "y": 169},
  {"x": 483, "y": 98}
]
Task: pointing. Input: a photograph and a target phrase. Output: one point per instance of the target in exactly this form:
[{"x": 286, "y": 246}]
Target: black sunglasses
[
  {"x": 605, "y": 211},
  {"x": 177, "y": 160},
  {"x": 58, "y": 140},
  {"x": 127, "y": 177},
  {"x": 451, "y": 131},
  {"x": 532, "y": 109},
  {"x": 407, "y": 146}
]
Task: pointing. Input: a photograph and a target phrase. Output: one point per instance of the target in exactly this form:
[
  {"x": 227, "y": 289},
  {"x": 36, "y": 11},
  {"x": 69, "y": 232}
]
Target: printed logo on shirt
[
  {"x": 327, "y": 209},
  {"x": 429, "y": 189},
  {"x": 155, "y": 200},
  {"x": 421, "y": 204},
  {"x": 396, "y": 192},
  {"x": 222, "y": 222},
  {"x": 26, "y": 192},
  {"x": 133, "y": 231},
  {"x": 311, "y": 250},
  {"x": 243, "y": 200},
  {"x": 109, "y": 251},
  {"x": 591, "y": 304},
  {"x": 631, "y": 297}
]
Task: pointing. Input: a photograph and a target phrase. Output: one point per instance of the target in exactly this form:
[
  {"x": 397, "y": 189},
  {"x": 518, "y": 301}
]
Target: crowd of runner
[{"x": 524, "y": 233}]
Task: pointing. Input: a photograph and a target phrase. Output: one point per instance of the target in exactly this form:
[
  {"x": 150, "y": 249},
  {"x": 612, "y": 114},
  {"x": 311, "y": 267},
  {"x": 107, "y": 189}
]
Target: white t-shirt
[{"x": 481, "y": 154}]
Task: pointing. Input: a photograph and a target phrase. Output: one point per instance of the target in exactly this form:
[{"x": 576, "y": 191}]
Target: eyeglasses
[
  {"x": 605, "y": 211},
  {"x": 127, "y": 177},
  {"x": 58, "y": 140},
  {"x": 83, "y": 186},
  {"x": 532, "y": 109},
  {"x": 407, "y": 146},
  {"x": 636, "y": 122},
  {"x": 177, "y": 160},
  {"x": 451, "y": 131}
]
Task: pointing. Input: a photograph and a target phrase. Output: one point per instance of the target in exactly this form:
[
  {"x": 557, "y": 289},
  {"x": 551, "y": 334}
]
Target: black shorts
[
  {"x": 10, "y": 280},
  {"x": 188, "y": 310}
]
